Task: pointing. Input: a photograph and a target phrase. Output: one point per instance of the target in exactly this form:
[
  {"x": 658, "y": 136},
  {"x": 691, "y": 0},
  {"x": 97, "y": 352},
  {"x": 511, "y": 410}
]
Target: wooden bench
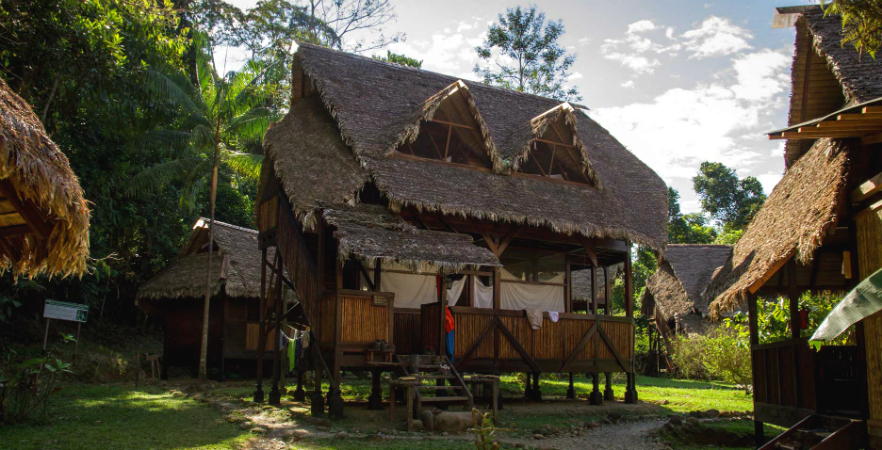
[{"x": 409, "y": 383}]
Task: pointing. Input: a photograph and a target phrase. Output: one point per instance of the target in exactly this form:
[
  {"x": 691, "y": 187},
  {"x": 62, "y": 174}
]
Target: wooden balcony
[{"x": 489, "y": 340}]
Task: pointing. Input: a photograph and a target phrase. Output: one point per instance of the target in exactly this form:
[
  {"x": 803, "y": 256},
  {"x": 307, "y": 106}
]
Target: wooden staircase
[
  {"x": 820, "y": 432},
  {"x": 449, "y": 387}
]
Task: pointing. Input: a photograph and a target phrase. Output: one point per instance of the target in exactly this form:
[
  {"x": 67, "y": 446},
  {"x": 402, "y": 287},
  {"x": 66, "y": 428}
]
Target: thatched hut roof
[
  {"x": 376, "y": 105},
  {"x": 793, "y": 221},
  {"x": 676, "y": 288},
  {"x": 581, "y": 291},
  {"x": 860, "y": 76},
  {"x": 185, "y": 278},
  {"x": 371, "y": 232},
  {"x": 43, "y": 214}
]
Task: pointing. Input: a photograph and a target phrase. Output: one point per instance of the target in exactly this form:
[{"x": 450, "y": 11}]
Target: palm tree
[{"x": 221, "y": 115}]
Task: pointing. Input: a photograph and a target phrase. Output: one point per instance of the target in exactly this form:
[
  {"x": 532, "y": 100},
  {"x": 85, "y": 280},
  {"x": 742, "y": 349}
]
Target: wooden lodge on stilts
[
  {"x": 819, "y": 230},
  {"x": 404, "y": 203},
  {"x": 674, "y": 301}
]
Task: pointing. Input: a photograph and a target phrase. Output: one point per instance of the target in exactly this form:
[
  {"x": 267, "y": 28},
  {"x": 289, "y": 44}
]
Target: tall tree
[
  {"x": 331, "y": 21},
  {"x": 223, "y": 112},
  {"x": 861, "y": 23},
  {"x": 522, "y": 52},
  {"x": 688, "y": 228},
  {"x": 731, "y": 201}
]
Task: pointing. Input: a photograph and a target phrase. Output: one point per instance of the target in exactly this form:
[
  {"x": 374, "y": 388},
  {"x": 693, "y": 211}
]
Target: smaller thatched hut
[
  {"x": 44, "y": 219},
  {"x": 674, "y": 293},
  {"x": 177, "y": 294},
  {"x": 605, "y": 277}
]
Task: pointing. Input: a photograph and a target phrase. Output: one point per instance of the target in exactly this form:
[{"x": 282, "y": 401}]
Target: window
[
  {"x": 452, "y": 135},
  {"x": 554, "y": 155}
]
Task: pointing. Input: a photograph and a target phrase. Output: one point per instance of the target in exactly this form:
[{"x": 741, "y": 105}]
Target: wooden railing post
[
  {"x": 753, "y": 328},
  {"x": 631, "y": 390},
  {"x": 258, "y": 393}
]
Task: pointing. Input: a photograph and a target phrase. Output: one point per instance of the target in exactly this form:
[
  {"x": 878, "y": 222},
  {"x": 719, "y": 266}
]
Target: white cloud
[
  {"x": 719, "y": 121},
  {"x": 716, "y": 36},
  {"x": 575, "y": 76},
  {"x": 639, "y": 64},
  {"x": 463, "y": 26},
  {"x": 628, "y": 84},
  {"x": 769, "y": 180},
  {"x": 584, "y": 41},
  {"x": 641, "y": 26}
]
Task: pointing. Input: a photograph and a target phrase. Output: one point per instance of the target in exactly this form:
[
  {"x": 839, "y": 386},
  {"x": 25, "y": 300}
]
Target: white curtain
[
  {"x": 483, "y": 294},
  {"x": 413, "y": 289},
  {"x": 455, "y": 291},
  {"x": 540, "y": 297}
]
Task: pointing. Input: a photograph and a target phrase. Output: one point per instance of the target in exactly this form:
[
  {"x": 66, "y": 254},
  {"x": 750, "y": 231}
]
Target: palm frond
[
  {"x": 169, "y": 87},
  {"x": 167, "y": 141},
  {"x": 253, "y": 124},
  {"x": 245, "y": 164},
  {"x": 157, "y": 176}
]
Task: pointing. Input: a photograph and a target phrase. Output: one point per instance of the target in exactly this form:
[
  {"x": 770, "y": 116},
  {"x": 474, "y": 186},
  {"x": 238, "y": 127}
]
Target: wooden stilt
[
  {"x": 375, "y": 401},
  {"x": 596, "y": 398},
  {"x": 571, "y": 391},
  {"x": 608, "y": 392},
  {"x": 528, "y": 388},
  {"x": 299, "y": 393},
  {"x": 318, "y": 400},
  {"x": 537, "y": 393},
  {"x": 261, "y": 340},
  {"x": 275, "y": 397}
]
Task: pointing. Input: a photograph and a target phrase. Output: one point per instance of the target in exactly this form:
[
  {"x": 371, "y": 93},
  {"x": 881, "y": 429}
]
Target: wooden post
[
  {"x": 631, "y": 390},
  {"x": 537, "y": 392},
  {"x": 793, "y": 296},
  {"x": 222, "y": 377},
  {"x": 46, "y": 335},
  {"x": 568, "y": 294},
  {"x": 275, "y": 397},
  {"x": 138, "y": 372},
  {"x": 317, "y": 408},
  {"x": 753, "y": 328},
  {"x": 608, "y": 393},
  {"x": 571, "y": 391},
  {"x": 596, "y": 397},
  {"x": 77, "y": 341},
  {"x": 442, "y": 313},
  {"x": 607, "y": 291},
  {"x": 377, "y": 275},
  {"x": 163, "y": 369},
  {"x": 496, "y": 273},
  {"x": 375, "y": 401},
  {"x": 299, "y": 393},
  {"x": 261, "y": 344},
  {"x": 593, "y": 290},
  {"x": 528, "y": 389}
]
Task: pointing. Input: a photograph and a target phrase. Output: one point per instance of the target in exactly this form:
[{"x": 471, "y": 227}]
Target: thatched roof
[
  {"x": 371, "y": 232},
  {"x": 39, "y": 194},
  {"x": 677, "y": 286},
  {"x": 860, "y": 77},
  {"x": 377, "y": 105},
  {"x": 581, "y": 291},
  {"x": 185, "y": 278},
  {"x": 791, "y": 223}
]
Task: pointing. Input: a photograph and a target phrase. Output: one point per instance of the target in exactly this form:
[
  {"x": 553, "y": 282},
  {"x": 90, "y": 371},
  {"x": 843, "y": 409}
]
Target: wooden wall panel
[
  {"x": 575, "y": 331},
  {"x": 548, "y": 340},
  {"x": 328, "y": 318},
  {"x": 362, "y": 321},
  {"x": 520, "y": 328},
  {"x": 429, "y": 314},
  {"x": 252, "y": 334},
  {"x": 408, "y": 332},
  {"x": 268, "y": 218},
  {"x": 468, "y": 328},
  {"x": 869, "y": 237}
]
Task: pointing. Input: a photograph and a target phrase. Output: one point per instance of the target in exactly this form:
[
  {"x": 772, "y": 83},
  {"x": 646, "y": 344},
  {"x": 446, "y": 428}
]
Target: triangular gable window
[
  {"x": 451, "y": 134},
  {"x": 556, "y": 151}
]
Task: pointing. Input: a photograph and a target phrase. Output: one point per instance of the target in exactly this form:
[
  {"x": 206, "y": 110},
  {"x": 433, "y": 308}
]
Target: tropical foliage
[{"x": 861, "y": 23}]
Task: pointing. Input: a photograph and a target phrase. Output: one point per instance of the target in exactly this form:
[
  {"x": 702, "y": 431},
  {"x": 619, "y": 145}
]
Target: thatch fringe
[
  {"x": 792, "y": 223},
  {"x": 40, "y": 173}
]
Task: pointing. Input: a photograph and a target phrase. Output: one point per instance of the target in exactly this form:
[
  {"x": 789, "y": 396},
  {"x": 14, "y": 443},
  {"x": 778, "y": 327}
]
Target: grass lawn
[
  {"x": 116, "y": 416},
  {"x": 736, "y": 435}
]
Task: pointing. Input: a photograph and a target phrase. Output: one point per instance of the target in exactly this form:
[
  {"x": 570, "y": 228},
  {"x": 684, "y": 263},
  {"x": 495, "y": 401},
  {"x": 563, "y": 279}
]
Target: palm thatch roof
[
  {"x": 860, "y": 76},
  {"x": 792, "y": 223},
  {"x": 372, "y": 232},
  {"x": 676, "y": 289},
  {"x": 581, "y": 279},
  {"x": 377, "y": 105},
  {"x": 44, "y": 219},
  {"x": 236, "y": 262}
]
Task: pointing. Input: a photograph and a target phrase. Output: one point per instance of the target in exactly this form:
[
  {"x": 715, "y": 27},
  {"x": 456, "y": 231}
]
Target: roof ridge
[
  {"x": 439, "y": 74},
  {"x": 228, "y": 225}
]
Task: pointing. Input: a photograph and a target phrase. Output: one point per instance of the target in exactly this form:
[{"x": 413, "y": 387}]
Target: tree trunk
[{"x": 203, "y": 352}]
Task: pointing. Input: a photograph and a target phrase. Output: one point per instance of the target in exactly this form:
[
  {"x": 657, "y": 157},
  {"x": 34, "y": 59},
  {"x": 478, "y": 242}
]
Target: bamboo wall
[
  {"x": 776, "y": 373},
  {"x": 252, "y": 336},
  {"x": 362, "y": 321},
  {"x": 869, "y": 234},
  {"x": 408, "y": 331}
]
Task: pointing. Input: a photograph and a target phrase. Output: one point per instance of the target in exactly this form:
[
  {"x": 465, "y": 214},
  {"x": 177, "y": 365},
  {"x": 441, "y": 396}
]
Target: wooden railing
[
  {"x": 408, "y": 331},
  {"x": 784, "y": 381},
  {"x": 490, "y": 340}
]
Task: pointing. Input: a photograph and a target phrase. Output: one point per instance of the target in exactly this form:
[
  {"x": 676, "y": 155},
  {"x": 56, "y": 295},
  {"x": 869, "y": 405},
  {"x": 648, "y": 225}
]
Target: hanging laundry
[
  {"x": 534, "y": 316},
  {"x": 554, "y": 316}
]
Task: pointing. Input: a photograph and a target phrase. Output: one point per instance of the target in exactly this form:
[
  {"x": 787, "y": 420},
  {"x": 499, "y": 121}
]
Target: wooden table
[
  {"x": 490, "y": 381},
  {"x": 410, "y": 384}
]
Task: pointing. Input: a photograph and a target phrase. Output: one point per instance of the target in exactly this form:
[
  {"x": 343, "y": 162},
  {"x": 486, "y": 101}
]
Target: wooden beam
[
  {"x": 546, "y": 141},
  {"x": 818, "y": 134},
  {"x": 581, "y": 346},
  {"x": 871, "y": 139},
  {"x": 454, "y": 124},
  {"x": 517, "y": 345},
  {"x": 589, "y": 249},
  {"x": 503, "y": 243},
  {"x": 27, "y": 209},
  {"x": 770, "y": 273},
  {"x": 871, "y": 116},
  {"x": 871, "y": 109},
  {"x": 867, "y": 189},
  {"x": 850, "y": 125},
  {"x": 15, "y": 230},
  {"x": 468, "y": 353},
  {"x": 612, "y": 348}
]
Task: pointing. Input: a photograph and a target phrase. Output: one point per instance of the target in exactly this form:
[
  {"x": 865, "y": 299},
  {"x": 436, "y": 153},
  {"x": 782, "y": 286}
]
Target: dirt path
[{"x": 630, "y": 436}]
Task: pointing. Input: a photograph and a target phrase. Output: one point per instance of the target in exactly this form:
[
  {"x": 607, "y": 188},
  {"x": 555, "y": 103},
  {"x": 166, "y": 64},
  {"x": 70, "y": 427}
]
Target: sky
[{"x": 677, "y": 82}]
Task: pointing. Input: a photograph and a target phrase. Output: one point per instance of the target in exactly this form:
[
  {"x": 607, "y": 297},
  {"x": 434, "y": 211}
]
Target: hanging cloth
[
  {"x": 483, "y": 294},
  {"x": 542, "y": 297},
  {"x": 554, "y": 316},
  {"x": 455, "y": 291},
  {"x": 292, "y": 355},
  {"x": 535, "y": 318}
]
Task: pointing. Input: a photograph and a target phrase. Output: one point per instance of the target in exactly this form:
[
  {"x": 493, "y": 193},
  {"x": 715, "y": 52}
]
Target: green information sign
[{"x": 73, "y": 312}]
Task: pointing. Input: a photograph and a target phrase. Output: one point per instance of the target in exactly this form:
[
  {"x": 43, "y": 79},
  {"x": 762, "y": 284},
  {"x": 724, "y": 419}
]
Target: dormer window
[
  {"x": 554, "y": 153},
  {"x": 451, "y": 135}
]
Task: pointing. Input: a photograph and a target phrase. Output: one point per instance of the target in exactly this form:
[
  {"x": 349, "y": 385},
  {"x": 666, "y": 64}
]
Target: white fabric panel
[
  {"x": 455, "y": 291},
  {"x": 483, "y": 294},
  {"x": 410, "y": 290},
  {"x": 519, "y": 296}
]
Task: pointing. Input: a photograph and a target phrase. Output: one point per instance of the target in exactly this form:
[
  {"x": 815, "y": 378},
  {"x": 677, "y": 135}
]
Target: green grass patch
[
  {"x": 87, "y": 417},
  {"x": 737, "y": 435}
]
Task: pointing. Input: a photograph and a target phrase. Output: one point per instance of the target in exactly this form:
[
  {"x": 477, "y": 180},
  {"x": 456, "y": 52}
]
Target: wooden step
[
  {"x": 383, "y": 364},
  {"x": 435, "y": 377},
  {"x": 426, "y": 386},
  {"x": 443, "y": 399}
]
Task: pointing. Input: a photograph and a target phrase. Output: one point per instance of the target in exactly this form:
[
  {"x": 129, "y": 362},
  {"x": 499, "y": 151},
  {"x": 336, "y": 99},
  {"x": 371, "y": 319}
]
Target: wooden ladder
[{"x": 440, "y": 370}]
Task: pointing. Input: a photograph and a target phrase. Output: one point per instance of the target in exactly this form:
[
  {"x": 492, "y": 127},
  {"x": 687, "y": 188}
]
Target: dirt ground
[{"x": 549, "y": 424}]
